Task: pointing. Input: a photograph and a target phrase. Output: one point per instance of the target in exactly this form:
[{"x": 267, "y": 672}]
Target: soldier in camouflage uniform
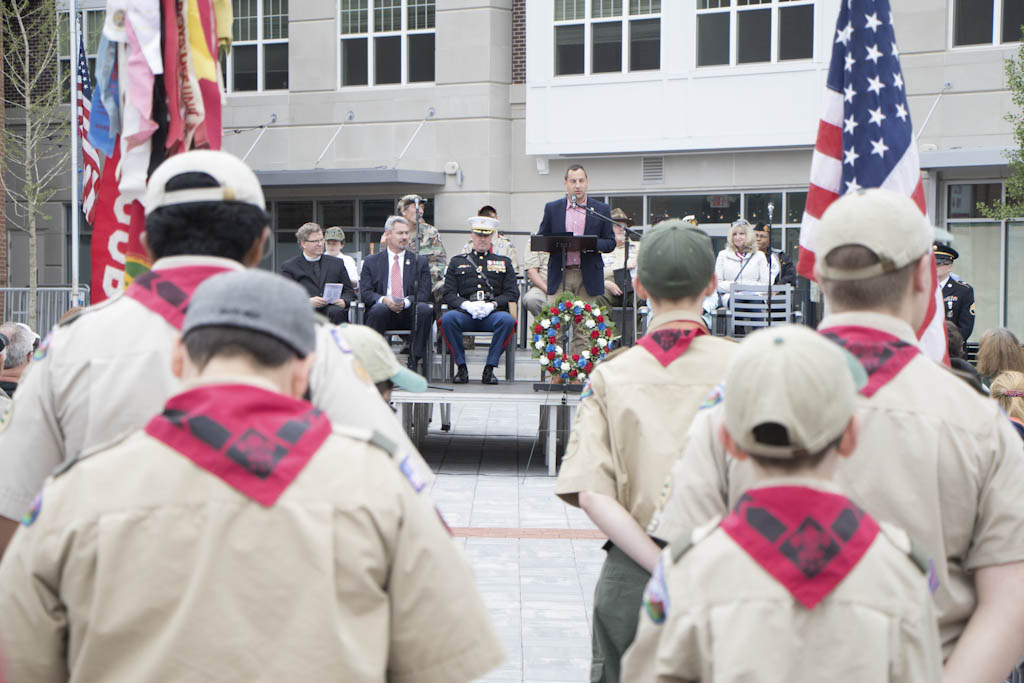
[{"x": 426, "y": 241}]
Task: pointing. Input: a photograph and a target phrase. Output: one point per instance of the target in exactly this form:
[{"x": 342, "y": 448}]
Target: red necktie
[{"x": 396, "y": 279}]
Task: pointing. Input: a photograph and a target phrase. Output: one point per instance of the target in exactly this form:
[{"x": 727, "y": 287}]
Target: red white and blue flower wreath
[{"x": 551, "y": 329}]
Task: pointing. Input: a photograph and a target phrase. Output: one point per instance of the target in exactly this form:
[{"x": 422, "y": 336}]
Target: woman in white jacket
[{"x": 740, "y": 261}]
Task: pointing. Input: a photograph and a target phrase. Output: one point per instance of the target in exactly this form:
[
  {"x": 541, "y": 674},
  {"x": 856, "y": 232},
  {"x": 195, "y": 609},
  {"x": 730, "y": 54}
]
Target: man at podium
[{"x": 576, "y": 213}]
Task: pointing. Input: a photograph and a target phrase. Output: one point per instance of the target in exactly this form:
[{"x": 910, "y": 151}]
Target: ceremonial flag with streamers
[
  {"x": 90, "y": 159},
  {"x": 865, "y": 137}
]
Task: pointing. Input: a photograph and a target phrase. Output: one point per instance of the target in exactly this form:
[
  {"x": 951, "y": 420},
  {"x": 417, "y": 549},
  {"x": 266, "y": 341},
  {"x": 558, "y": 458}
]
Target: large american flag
[
  {"x": 865, "y": 137},
  {"x": 90, "y": 159}
]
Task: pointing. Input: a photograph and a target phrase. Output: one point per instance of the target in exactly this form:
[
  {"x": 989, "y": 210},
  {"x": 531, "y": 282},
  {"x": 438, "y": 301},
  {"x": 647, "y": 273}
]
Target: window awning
[
  {"x": 965, "y": 157},
  {"x": 350, "y": 177}
]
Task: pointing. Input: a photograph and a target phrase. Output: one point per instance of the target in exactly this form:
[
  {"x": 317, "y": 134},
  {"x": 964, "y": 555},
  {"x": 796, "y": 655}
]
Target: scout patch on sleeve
[
  {"x": 408, "y": 468},
  {"x": 32, "y": 514},
  {"x": 44, "y": 348},
  {"x": 5, "y": 417},
  {"x": 972, "y": 309},
  {"x": 714, "y": 398},
  {"x": 340, "y": 341},
  {"x": 656, "y": 601},
  {"x": 587, "y": 391}
]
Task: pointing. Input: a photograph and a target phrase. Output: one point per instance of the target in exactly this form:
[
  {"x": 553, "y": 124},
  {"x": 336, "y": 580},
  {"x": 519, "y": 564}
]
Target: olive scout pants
[{"x": 617, "y": 599}]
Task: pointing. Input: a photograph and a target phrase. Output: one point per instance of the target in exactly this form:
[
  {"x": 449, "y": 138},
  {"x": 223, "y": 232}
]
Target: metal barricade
[{"x": 51, "y": 304}]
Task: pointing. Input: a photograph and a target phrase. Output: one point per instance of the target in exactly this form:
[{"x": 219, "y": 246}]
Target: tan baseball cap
[
  {"x": 793, "y": 377},
  {"x": 379, "y": 360},
  {"x": 886, "y": 222},
  {"x": 236, "y": 182}
]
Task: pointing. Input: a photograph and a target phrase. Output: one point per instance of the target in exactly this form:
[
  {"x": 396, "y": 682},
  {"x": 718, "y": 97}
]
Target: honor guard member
[
  {"x": 240, "y": 535},
  {"x": 478, "y": 288},
  {"x": 957, "y": 295},
  {"x": 100, "y": 374},
  {"x": 797, "y": 583},
  {"x": 933, "y": 456},
  {"x": 632, "y": 416},
  {"x": 425, "y": 240}
]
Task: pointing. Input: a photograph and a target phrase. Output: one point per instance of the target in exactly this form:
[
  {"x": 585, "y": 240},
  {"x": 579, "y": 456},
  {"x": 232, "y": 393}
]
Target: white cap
[
  {"x": 888, "y": 223},
  {"x": 483, "y": 225},
  {"x": 793, "y": 377},
  {"x": 236, "y": 182}
]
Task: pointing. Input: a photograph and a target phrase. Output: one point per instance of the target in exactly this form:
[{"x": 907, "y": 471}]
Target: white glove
[
  {"x": 467, "y": 306},
  {"x": 487, "y": 308}
]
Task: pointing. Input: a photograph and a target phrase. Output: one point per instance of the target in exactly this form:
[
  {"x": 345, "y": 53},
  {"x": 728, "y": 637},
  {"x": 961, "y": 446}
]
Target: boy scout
[
  {"x": 632, "y": 416},
  {"x": 102, "y": 373},
  {"x": 797, "y": 583},
  {"x": 478, "y": 288},
  {"x": 933, "y": 457},
  {"x": 239, "y": 536}
]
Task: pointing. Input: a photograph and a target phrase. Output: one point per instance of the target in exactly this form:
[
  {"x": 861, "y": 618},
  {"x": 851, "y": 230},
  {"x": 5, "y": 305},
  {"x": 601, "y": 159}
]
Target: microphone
[
  {"x": 771, "y": 210},
  {"x": 572, "y": 200}
]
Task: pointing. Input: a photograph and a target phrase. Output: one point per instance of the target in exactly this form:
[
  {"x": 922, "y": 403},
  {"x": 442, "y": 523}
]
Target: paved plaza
[{"x": 536, "y": 559}]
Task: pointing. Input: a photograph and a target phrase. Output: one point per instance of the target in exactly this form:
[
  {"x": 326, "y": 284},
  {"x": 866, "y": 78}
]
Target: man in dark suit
[
  {"x": 313, "y": 269},
  {"x": 395, "y": 286},
  {"x": 583, "y": 273}
]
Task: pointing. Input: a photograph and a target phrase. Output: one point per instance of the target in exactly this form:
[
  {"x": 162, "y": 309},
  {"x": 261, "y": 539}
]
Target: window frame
[
  {"x": 91, "y": 51},
  {"x": 625, "y": 20},
  {"x": 997, "y": 29},
  {"x": 734, "y": 10},
  {"x": 227, "y": 64},
  {"x": 403, "y": 33}
]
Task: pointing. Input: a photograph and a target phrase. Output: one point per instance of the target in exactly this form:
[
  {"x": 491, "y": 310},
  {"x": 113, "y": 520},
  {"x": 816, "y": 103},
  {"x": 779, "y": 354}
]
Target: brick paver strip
[{"x": 497, "y": 532}]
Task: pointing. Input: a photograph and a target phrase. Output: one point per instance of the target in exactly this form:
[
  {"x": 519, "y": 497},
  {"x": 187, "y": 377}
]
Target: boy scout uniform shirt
[
  {"x": 727, "y": 619},
  {"x": 538, "y": 260},
  {"x": 632, "y": 418},
  {"x": 172, "y": 574},
  {"x": 105, "y": 372},
  {"x": 932, "y": 456}
]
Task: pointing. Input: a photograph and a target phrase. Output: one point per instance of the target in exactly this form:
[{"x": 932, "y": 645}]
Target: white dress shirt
[{"x": 401, "y": 271}]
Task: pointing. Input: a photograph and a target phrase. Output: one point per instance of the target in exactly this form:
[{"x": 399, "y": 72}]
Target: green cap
[
  {"x": 676, "y": 260},
  {"x": 335, "y": 233}
]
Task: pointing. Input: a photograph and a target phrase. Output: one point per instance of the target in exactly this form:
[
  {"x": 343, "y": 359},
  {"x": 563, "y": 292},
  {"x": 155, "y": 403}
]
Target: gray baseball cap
[
  {"x": 675, "y": 260},
  {"x": 258, "y": 301}
]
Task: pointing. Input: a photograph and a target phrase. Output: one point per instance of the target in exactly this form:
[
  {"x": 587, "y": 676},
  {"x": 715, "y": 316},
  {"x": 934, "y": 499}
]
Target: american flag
[
  {"x": 90, "y": 159},
  {"x": 865, "y": 137}
]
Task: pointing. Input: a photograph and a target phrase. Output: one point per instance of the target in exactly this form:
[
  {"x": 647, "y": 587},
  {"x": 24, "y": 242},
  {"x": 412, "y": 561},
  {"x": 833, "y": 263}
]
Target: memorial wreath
[{"x": 551, "y": 330}]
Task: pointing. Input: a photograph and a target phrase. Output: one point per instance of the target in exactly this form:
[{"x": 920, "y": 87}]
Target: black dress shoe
[
  {"x": 488, "y": 376},
  {"x": 462, "y": 376}
]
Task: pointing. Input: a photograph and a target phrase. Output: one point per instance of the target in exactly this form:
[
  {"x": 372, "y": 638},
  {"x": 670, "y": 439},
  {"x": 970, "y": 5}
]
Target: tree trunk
[{"x": 33, "y": 273}]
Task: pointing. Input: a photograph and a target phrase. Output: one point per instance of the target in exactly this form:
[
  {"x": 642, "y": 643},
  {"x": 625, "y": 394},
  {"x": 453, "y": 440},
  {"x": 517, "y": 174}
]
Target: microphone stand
[
  {"x": 628, "y": 302},
  {"x": 771, "y": 210}
]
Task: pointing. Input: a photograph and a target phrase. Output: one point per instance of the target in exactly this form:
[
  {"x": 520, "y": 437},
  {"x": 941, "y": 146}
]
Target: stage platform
[{"x": 556, "y": 407}]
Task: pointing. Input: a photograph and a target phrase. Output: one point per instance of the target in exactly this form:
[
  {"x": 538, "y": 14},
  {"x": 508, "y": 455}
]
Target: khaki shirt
[
  {"x": 616, "y": 259},
  {"x": 107, "y": 371},
  {"x": 729, "y": 620},
  {"x": 628, "y": 432},
  {"x": 933, "y": 456},
  {"x": 171, "y": 574},
  {"x": 538, "y": 260}
]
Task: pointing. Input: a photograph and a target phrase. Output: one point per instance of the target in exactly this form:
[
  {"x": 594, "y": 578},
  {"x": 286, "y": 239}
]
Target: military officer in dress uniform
[
  {"x": 957, "y": 295},
  {"x": 478, "y": 288},
  {"x": 240, "y": 535}
]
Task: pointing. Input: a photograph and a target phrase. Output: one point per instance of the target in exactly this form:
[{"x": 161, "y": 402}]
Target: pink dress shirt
[{"x": 575, "y": 222}]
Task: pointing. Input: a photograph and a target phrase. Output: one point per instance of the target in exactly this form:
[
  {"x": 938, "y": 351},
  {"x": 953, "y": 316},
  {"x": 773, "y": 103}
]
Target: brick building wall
[{"x": 519, "y": 41}]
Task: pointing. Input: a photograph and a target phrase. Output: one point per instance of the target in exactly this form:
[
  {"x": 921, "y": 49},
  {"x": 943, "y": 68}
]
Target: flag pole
[{"x": 75, "y": 211}]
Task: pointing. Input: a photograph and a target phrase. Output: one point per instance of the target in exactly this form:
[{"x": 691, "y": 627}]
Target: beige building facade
[{"x": 707, "y": 107}]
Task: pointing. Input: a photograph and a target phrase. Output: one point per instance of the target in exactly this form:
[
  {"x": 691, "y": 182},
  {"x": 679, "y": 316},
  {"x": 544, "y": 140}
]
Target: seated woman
[
  {"x": 999, "y": 351},
  {"x": 740, "y": 261},
  {"x": 1008, "y": 390}
]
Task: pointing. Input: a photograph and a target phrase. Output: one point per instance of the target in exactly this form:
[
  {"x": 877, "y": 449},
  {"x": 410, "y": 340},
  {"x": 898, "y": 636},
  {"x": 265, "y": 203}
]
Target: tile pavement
[{"x": 536, "y": 559}]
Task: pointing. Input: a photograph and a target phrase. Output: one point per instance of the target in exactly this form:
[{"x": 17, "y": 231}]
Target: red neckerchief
[
  {"x": 167, "y": 291},
  {"x": 882, "y": 355},
  {"x": 257, "y": 441},
  {"x": 809, "y": 540},
  {"x": 667, "y": 344}
]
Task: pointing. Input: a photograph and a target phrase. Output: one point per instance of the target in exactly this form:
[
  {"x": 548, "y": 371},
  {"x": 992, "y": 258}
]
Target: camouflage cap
[
  {"x": 410, "y": 199},
  {"x": 335, "y": 233}
]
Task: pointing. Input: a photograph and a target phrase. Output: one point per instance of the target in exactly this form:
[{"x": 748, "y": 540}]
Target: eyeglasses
[{"x": 319, "y": 241}]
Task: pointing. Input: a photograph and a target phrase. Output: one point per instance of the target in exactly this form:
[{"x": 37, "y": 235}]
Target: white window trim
[
  {"x": 371, "y": 65},
  {"x": 260, "y": 42},
  {"x": 734, "y": 10},
  {"x": 997, "y": 30},
  {"x": 625, "y": 18}
]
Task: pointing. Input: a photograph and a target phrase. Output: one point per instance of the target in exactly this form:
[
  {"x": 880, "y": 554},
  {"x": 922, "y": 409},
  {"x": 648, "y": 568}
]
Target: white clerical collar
[{"x": 311, "y": 260}]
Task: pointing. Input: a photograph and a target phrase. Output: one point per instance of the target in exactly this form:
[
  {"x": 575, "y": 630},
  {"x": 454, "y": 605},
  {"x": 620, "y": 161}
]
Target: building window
[
  {"x": 388, "y": 42},
  {"x": 92, "y": 28},
  {"x": 258, "y": 59},
  {"x": 987, "y": 22},
  {"x": 754, "y": 31},
  {"x": 607, "y": 36}
]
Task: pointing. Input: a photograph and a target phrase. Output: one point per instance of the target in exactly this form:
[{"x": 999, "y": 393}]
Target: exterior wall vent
[{"x": 652, "y": 170}]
